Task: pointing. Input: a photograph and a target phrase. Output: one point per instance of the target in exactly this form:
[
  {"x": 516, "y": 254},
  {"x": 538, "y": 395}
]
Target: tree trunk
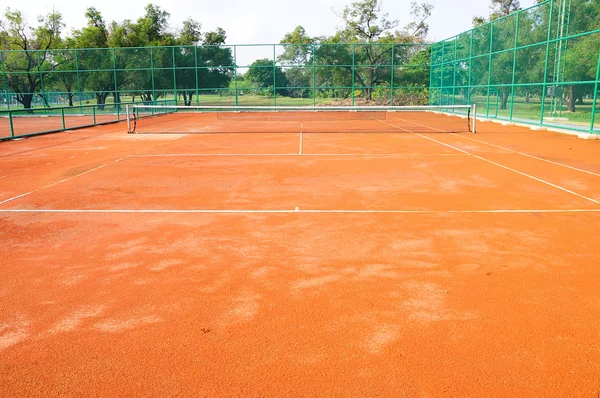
[
  {"x": 527, "y": 97},
  {"x": 26, "y": 100},
  {"x": 187, "y": 100},
  {"x": 579, "y": 97},
  {"x": 569, "y": 97},
  {"x": 70, "y": 95},
  {"x": 503, "y": 100},
  {"x": 101, "y": 100}
]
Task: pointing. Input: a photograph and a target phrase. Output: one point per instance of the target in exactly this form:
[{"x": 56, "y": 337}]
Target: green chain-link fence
[
  {"x": 313, "y": 74},
  {"x": 538, "y": 66}
]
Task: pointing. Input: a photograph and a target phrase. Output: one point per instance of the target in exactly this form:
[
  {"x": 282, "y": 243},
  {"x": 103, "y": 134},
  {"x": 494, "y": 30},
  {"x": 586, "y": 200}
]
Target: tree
[
  {"x": 26, "y": 70},
  {"x": 498, "y": 9},
  {"x": 372, "y": 34},
  {"x": 579, "y": 57},
  {"x": 503, "y": 38},
  {"x": 261, "y": 75},
  {"x": 154, "y": 27},
  {"x": 206, "y": 66},
  {"x": 94, "y": 59}
]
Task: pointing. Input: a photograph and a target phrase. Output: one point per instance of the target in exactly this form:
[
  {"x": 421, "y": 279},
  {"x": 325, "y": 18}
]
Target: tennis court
[{"x": 330, "y": 253}]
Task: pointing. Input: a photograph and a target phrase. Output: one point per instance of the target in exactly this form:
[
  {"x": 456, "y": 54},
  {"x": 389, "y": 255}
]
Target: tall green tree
[
  {"x": 498, "y": 9},
  {"x": 265, "y": 75},
  {"x": 94, "y": 59},
  {"x": 373, "y": 34},
  {"x": 26, "y": 70}
]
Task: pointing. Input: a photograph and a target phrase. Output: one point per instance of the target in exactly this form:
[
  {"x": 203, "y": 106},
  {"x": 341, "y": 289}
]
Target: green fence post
[
  {"x": 152, "y": 75},
  {"x": 487, "y": 106},
  {"x": 314, "y": 56},
  {"x": 431, "y": 66},
  {"x": 442, "y": 74},
  {"x": 235, "y": 72},
  {"x": 470, "y": 66},
  {"x": 196, "y": 70},
  {"x": 545, "y": 82},
  {"x": 5, "y": 81},
  {"x": 454, "y": 68},
  {"x": 392, "y": 78},
  {"x": 41, "y": 76},
  {"x": 78, "y": 79},
  {"x": 353, "y": 70},
  {"x": 597, "y": 87},
  {"x": 514, "y": 70},
  {"x": 114, "y": 57},
  {"x": 274, "y": 78},
  {"x": 174, "y": 75}
]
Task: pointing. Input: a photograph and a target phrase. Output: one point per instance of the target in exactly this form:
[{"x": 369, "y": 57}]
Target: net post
[
  {"x": 128, "y": 118},
  {"x": 474, "y": 118}
]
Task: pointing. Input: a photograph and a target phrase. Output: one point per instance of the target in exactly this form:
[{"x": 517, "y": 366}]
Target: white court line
[
  {"x": 531, "y": 156},
  {"x": 499, "y": 165},
  {"x": 123, "y": 158},
  {"x": 171, "y": 155},
  {"x": 301, "y": 130},
  {"x": 297, "y": 211},
  {"x": 51, "y": 185}
]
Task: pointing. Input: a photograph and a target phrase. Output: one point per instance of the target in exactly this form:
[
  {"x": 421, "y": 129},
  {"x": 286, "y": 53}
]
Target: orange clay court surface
[{"x": 294, "y": 263}]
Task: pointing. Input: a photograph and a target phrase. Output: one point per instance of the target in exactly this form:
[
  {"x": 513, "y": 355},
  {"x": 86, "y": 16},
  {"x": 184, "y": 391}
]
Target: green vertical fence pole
[
  {"x": 115, "y": 75},
  {"x": 274, "y": 78},
  {"x": 470, "y": 67},
  {"x": 514, "y": 70},
  {"x": 41, "y": 77},
  {"x": 596, "y": 87},
  {"x": 314, "y": 72},
  {"x": 152, "y": 76},
  {"x": 455, "y": 63},
  {"x": 442, "y": 73},
  {"x": 487, "y": 110},
  {"x": 392, "y": 79},
  {"x": 431, "y": 73},
  {"x": 78, "y": 80},
  {"x": 5, "y": 83},
  {"x": 545, "y": 83},
  {"x": 353, "y": 69},
  {"x": 196, "y": 72},
  {"x": 174, "y": 75},
  {"x": 235, "y": 72}
]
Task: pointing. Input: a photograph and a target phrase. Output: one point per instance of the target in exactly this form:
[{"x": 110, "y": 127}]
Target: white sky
[{"x": 258, "y": 21}]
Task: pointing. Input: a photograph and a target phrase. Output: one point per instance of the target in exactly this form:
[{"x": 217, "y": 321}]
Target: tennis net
[{"x": 167, "y": 119}]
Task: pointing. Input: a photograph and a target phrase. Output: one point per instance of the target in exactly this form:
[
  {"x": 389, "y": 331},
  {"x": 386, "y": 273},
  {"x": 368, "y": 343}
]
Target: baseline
[{"x": 297, "y": 211}]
